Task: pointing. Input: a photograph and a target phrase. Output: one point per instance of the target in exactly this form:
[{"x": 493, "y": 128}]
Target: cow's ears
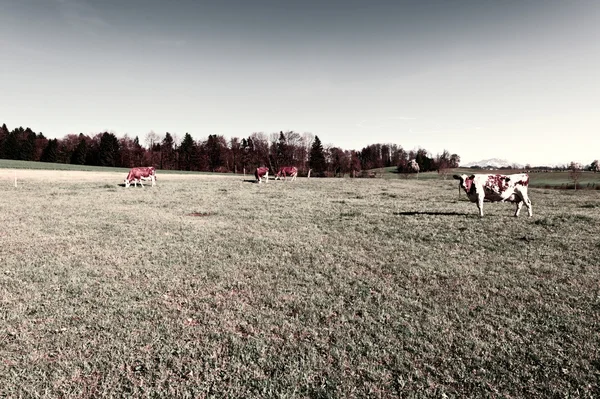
[
  {"x": 472, "y": 177},
  {"x": 457, "y": 177}
]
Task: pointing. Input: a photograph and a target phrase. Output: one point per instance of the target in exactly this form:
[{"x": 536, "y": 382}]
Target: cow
[
  {"x": 285, "y": 171},
  {"x": 497, "y": 188},
  {"x": 261, "y": 173},
  {"x": 136, "y": 175},
  {"x": 413, "y": 166}
]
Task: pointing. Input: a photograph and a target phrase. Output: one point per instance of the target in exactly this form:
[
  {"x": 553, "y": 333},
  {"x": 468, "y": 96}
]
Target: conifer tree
[
  {"x": 11, "y": 146},
  {"x": 27, "y": 149},
  {"x": 3, "y": 135},
  {"x": 317, "y": 157},
  {"x": 186, "y": 152},
  {"x": 79, "y": 155},
  {"x": 50, "y": 152},
  {"x": 108, "y": 154}
]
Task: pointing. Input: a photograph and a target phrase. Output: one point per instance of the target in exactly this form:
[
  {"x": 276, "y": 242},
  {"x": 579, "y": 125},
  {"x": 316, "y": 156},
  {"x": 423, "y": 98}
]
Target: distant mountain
[{"x": 492, "y": 163}]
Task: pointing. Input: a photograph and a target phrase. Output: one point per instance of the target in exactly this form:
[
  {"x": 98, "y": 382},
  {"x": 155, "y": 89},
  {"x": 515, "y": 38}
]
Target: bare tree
[
  {"x": 151, "y": 138},
  {"x": 575, "y": 172},
  {"x": 442, "y": 162},
  {"x": 595, "y": 167}
]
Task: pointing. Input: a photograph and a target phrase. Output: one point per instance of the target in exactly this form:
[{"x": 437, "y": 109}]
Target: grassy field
[
  {"x": 27, "y": 165},
  {"x": 558, "y": 180},
  {"x": 554, "y": 179},
  {"x": 210, "y": 286}
]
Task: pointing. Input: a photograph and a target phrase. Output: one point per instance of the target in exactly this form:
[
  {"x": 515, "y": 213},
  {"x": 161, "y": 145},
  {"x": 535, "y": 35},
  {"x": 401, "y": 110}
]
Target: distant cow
[
  {"x": 261, "y": 173},
  {"x": 497, "y": 188},
  {"x": 285, "y": 171},
  {"x": 136, "y": 175},
  {"x": 413, "y": 166}
]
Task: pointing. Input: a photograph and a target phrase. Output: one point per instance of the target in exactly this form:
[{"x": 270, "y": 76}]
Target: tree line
[{"x": 216, "y": 153}]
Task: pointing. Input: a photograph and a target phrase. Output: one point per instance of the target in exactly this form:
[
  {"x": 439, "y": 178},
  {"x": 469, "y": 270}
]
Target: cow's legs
[
  {"x": 519, "y": 206},
  {"x": 524, "y": 198},
  {"x": 528, "y": 204},
  {"x": 480, "y": 206}
]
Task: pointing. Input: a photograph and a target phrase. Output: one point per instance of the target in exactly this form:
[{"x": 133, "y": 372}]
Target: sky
[{"x": 517, "y": 80}]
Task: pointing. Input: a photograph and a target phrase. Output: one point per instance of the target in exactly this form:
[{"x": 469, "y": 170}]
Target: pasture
[{"x": 211, "y": 286}]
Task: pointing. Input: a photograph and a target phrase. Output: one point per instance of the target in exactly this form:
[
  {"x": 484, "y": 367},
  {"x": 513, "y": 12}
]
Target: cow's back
[{"x": 504, "y": 187}]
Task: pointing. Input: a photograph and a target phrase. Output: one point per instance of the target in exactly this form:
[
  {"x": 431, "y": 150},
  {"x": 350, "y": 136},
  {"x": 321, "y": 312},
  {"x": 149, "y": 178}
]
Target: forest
[{"x": 216, "y": 153}]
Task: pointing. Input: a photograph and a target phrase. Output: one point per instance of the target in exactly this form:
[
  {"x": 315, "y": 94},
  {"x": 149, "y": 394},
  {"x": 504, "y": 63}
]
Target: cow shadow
[
  {"x": 429, "y": 213},
  {"x": 250, "y": 181}
]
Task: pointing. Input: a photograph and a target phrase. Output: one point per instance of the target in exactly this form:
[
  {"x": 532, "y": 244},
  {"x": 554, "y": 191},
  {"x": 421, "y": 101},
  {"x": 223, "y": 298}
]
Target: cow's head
[{"x": 466, "y": 182}]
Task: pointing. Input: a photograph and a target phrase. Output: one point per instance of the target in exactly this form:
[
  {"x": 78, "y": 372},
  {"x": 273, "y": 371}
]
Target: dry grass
[{"x": 212, "y": 286}]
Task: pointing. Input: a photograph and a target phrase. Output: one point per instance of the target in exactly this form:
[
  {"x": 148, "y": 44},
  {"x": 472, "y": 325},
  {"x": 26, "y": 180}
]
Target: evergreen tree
[
  {"x": 215, "y": 148},
  {"x": 186, "y": 152},
  {"x": 282, "y": 151},
  {"x": 167, "y": 153},
  {"x": 11, "y": 146},
  {"x": 138, "y": 152},
  {"x": 50, "y": 152},
  {"x": 317, "y": 157},
  {"x": 3, "y": 135},
  {"x": 201, "y": 157},
  {"x": 108, "y": 154},
  {"x": 27, "y": 149},
  {"x": 426, "y": 163},
  {"x": 80, "y": 154}
]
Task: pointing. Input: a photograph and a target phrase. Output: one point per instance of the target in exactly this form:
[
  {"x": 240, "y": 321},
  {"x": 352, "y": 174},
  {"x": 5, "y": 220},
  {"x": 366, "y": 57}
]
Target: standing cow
[
  {"x": 136, "y": 175},
  {"x": 261, "y": 173},
  {"x": 413, "y": 166},
  {"x": 497, "y": 188},
  {"x": 285, "y": 171}
]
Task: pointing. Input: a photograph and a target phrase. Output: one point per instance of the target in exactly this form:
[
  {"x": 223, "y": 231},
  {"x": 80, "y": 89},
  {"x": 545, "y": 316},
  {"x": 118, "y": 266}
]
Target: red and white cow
[
  {"x": 261, "y": 173},
  {"x": 497, "y": 188},
  {"x": 285, "y": 171},
  {"x": 136, "y": 175}
]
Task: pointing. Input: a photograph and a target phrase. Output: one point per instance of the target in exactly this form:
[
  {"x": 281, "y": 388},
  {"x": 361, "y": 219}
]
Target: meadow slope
[{"x": 214, "y": 286}]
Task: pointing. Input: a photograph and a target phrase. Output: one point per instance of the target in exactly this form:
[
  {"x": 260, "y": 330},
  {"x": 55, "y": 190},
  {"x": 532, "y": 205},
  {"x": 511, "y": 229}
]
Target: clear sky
[{"x": 512, "y": 79}]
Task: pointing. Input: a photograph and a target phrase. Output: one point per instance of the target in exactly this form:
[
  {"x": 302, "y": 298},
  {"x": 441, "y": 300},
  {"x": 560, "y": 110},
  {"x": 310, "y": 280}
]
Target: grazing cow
[
  {"x": 494, "y": 188},
  {"x": 136, "y": 175},
  {"x": 261, "y": 173},
  {"x": 285, "y": 171}
]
